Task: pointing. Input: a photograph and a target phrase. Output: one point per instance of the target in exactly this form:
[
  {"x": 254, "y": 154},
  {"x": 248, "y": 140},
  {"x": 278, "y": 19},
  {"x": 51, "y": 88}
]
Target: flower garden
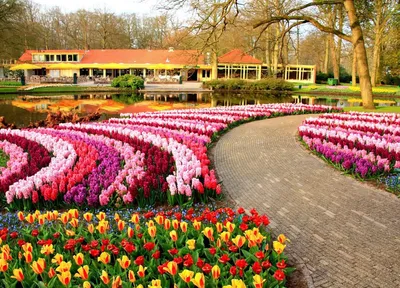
[
  {"x": 363, "y": 144},
  {"x": 145, "y": 160}
]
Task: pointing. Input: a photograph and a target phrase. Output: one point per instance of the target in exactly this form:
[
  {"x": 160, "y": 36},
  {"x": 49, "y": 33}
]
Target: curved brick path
[{"x": 344, "y": 233}]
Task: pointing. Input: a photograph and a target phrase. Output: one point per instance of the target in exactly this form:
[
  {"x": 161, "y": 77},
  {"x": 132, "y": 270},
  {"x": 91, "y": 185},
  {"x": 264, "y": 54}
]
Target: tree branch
[{"x": 311, "y": 4}]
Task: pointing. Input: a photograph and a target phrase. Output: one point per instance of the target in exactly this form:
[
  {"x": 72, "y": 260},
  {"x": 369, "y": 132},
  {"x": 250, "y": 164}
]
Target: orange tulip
[
  {"x": 90, "y": 228},
  {"x": 184, "y": 226},
  {"x": 160, "y": 219},
  {"x": 21, "y": 216},
  {"x": 186, "y": 275},
  {"x": 41, "y": 219},
  {"x": 27, "y": 247},
  {"x": 38, "y": 266},
  {"x": 64, "y": 267},
  {"x": 64, "y": 277},
  {"x": 28, "y": 257},
  {"x": 172, "y": 268},
  {"x": 173, "y": 235},
  {"x": 88, "y": 216},
  {"x": 104, "y": 277},
  {"x": 131, "y": 232},
  {"x": 152, "y": 231},
  {"x": 216, "y": 272},
  {"x": 209, "y": 233},
  {"x": 117, "y": 217},
  {"x": 79, "y": 258},
  {"x": 83, "y": 272},
  {"x": 117, "y": 282},
  {"x": 101, "y": 216},
  {"x": 219, "y": 227},
  {"x": 121, "y": 225},
  {"x": 74, "y": 222},
  {"x": 141, "y": 271},
  {"x": 230, "y": 226},
  {"x": 135, "y": 218},
  {"x": 102, "y": 227},
  {"x": 73, "y": 213},
  {"x": 282, "y": 238},
  {"x": 3, "y": 265},
  {"x": 167, "y": 224},
  {"x": 197, "y": 225},
  {"x": 225, "y": 236},
  {"x": 47, "y": 249},
  {"x": 51, "y": 272},
  {"x": 239, "y": 241},
  {"x": 131, "y": 276},
  {"x": 150, "y": 223},
  {"x": 175, "y": 224},
  {"x": 30, "y": 218},
  {"x": 55, "y": 214},
  {"x": 137, "y": 227},
  {"x": 64, "y": 218},
  {"x": 124, "y": 262},
  {"x": 57, "y": 259},
  {"x": 199, "y": 280},
  {"x": 104, "y": 258},
  {"x": 18, "y": 275}
]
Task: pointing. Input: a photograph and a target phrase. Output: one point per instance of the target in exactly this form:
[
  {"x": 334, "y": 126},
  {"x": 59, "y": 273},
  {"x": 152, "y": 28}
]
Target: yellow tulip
[
  {"x": 225, "y": 236},
  {"x": 167, "y": 224},
  {"x": 101, "y": 216},
  {"x": 51, "y": 272},
  {"x": 64, "y": 267},
  {"x": 117, "y": 217},
  {"x": 196, "y": 225},
  {"x": 27, "y": 247},
  {"x": 121, "y": 225},
  {"x": 219, "y": 227},
  {"x": 30, "y": 218},
  {"x": 3, "y": 265},
  {"x": 65, "y": 278},
  {"x": 79, "y": 259},
  {"x": 74, "y": 222},
  {"x": 175, "y": 224},
  {"x": 21, "y": 216},
  {"x": 83, "y": 272},
  {"x": 216, "y": 272},
  {"x": 18, "y": 275},
  {"x": 104, "y": 277},
  {"x": 172, "y": 268},
  {"x": 28, "y": 257},
  {"x": 239, "y": 241},
  {"x": 88, "y": 216},
  {"x": 230, "y": 226},
  {"x": 117, "y": 282},
  {"x": 160, "y": 219},
  {"x": 199, "y": 280},
  {"x": 64, "y": 218},
  {"x": 135, "y": 218},
  {"x": 131, "y": 276},
  {"x": 184, "y": 226},
  {"x": 191, "y": 243},
  {"x": 102, "y": 227},
  {"x": 124, "y": 262},
  {"x": 173, "y": 235},
  {"x": 104, "y": 258},
  {"x": 86, "y": 284},
  {"x": 236, "y": 283},
  {"x": 152, "y": 231},
  {"x": 141, "y": 271},
  {"x": 38, "y": 266},
  {"x": 155, "y": 283},
  {"x": 209, "y": 233},
  {"x": 282, "y": 239},
  {"x": 57, "y": 259},
  {"x": 258, "y": 281},
  {"x": 131, "y": 232},
  {"x": 41, "y": 219},
  {"x": 186, "y": 275},
  {"x": 73, "y": 213},
  {"x": 47, "y": 249},
  {"x": 90, "y": 228},
  {"x": 278, "y": 247}
]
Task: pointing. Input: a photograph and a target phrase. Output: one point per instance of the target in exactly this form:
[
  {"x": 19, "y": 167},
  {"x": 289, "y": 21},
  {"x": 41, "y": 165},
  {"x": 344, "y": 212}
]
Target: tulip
[
  {"x": 141, "y": 271},
  {"x": 124, "y": 262},
  {"x": 101, "y": 216},
  {"x": 90, "y": 228},
  {"x": 208, "y": 232},
  {"x": 278, "y": 247},
  {"x": 156, "y": 283},
  {"x": 196, "y": 225},
  {"x": 131, "y": 232},
  {"x": 258, "y": 281},
  {"x": 175, "y": 224},
  {"x": 219, "y": 227},
  {"x": 21, "y": 216},
  {"x": 152, "y": 231},
  {"x": 104, "y": 258},
  {"x": 239, "y": 241},
  {"x": 38, "y": 266},
  {"x": 30, "y": 218},
  {"x": 135, "y": 218},
  {"x": 79, "y": 258},
  {"x": 102, "y": 227},
  {"x": 131, "y": 276},
  {"x": 225, "y": 236},
  {"x": 51, "y": 272},
  {"x": 47, "y": 249},
  {"x": 88, "y": 216},
  {"x": 121, "y": 225},
  {"x": 117, "y": 282},
  {"x": 117, "y": 217},
  {"x": 64, "y": 277},
  {"x": 173, "y": 235},
  {"x": 41, "y": 219},
  {"x": 27, "y": 247},
  {"x": 64, "y": 218},
  {"x": 167, "y": 224},
  {"x": 70, "y": 233},
  {"x": 160, "y": 219},
  {"x": 191, "y": 243},
  {"x": 28, "y": 257},
  {"x": 3, "y": 265},
  {"x": 64, "y": 267},
  {"x": 18, "y": 275},
  {"x": 282, "y": 238},
  {"x": 199, "y": 280},
  {"x": 74, "y": 222},
  {"x": 216, "y": 272},
  {"x": 73, "y": 213},
  {"x": 172, "y": 268},
  {"x": 184, "y": 226},
  {"x": 236, "y": 283},
  {"x": 86, "y": 284},
  {"x": 83, "y": 272},
  {"x": 186, "y": 275},
  {"x": 104, "y": 277}
]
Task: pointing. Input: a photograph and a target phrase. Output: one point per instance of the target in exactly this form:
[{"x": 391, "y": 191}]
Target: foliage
[
  {"x": 344, "y": 77},
  {"x": 128, "y": 98},
  {"x": 10, "y": 83},
  {"x": 258, "y": 85},
  {"x": 3, "y": 159},
  {"x": 191, "y": 249},
  {"x": 128, "y": 81}
]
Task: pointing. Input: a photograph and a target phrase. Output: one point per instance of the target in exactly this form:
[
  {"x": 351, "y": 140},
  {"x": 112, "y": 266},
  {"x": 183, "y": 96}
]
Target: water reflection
[{"x": 30, "y": 108}]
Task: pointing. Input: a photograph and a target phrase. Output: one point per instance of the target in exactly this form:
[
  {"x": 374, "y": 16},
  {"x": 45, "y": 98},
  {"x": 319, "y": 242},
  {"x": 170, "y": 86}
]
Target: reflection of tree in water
[
  {"x": 19, "y": 116},
  {"x": 252, "y": 97},
  {"x": 128, "y": 98}
]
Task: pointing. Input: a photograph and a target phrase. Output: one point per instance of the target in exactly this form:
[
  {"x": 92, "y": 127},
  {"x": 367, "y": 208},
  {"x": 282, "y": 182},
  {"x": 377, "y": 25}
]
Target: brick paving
[{"x": 344, "y": 233}]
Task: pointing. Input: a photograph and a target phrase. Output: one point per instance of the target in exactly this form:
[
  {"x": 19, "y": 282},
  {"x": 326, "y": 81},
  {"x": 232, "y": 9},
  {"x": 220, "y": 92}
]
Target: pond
[{"x": 23, "y": 109}]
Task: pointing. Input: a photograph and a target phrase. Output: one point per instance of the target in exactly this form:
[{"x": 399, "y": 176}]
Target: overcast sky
[{"x": 118, "y": 6}]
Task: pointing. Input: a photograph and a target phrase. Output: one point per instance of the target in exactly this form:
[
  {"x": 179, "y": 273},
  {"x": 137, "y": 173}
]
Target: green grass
[
  {"x": 380, "y": 109},
  {"x": 380, "y": 90},
  {"x": 10, "y": 83},
  {"x": 8, "y": 90},
  {"x": 3, "y": 158}
]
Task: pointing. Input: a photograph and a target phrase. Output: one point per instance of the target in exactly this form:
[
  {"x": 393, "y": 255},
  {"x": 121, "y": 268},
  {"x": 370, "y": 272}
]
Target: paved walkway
[{"x": 343, "y": 233}]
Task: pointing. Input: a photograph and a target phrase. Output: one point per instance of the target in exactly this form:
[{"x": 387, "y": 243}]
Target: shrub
[
  {"x": 10, "y": 83},
  {"x": 259, "y": 85},
  {"x": 128, "y": 81}
]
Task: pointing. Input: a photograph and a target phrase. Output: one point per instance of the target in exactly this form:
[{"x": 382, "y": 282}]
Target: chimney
[{"x": 170, "y": 49}]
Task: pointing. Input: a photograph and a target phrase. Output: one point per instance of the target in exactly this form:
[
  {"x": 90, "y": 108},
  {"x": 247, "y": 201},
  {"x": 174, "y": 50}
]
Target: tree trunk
[
  {"x": 275, "y": 52},
  {"x": 354, "y": 69},
  {"x": 332, "y": 45},
  {"x": 362, "y": 62},
  {"x": 268, "y": 51},
  {"x": 339, "y": 44},
  {"x": 326, "y": 58},
  {"x": 214, "y": 65},
  {"x": 377, "y": 43}
]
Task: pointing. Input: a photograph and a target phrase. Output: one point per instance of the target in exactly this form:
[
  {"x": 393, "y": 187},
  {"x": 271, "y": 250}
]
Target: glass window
[
  {"x": 36, "y": 58},
  {"x": 58, "y": 58},
  {"x": 41, "y": 58},
  {"x": 69, "y": 57},
  {"x": 75, "y": 57},
  {"x": 51, "y": 58},
  {"x": 47, "y": 57},
  {"x": 63, "y": 57}
]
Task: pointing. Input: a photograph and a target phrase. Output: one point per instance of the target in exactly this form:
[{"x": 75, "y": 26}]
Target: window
[
  {"x": 75, "y": 57},
  {"x": 69, "y": 57},
  {"x": 47, "y": 57},
  {"x": 58, "y": 58},
  {"x": 41, "y": 58},
  {"x": 63, "y": 57},
  {"x": 35, "y": 58},
  {"x": 52, "y": 58},
  {"x": 206, "y": 73}
]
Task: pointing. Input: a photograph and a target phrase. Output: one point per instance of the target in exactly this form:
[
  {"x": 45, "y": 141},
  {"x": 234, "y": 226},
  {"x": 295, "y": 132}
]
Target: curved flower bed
[
  {"x": 364, "y": 144},
  {"x": 166, "y": 249},
  {"x": 145, "y": 158}
]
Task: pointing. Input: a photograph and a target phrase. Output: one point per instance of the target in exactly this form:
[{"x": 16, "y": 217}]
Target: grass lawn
[
  {"x": 8, "y": 89},
  {"x": 345, "y": 88},
  {"x": 380, "y": 109}
]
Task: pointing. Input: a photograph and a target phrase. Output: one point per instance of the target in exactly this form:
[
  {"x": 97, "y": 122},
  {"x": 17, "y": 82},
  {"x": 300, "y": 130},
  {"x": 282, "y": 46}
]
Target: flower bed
[
  {"x": 165, "y": 249},
  {"x": 144, "y": 158},
  {"x": 364, "y": 144}
]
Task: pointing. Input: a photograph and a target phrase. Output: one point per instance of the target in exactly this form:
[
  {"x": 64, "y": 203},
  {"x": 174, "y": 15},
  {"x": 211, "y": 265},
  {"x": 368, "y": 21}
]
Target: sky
[{"x": 144, "y": 7}]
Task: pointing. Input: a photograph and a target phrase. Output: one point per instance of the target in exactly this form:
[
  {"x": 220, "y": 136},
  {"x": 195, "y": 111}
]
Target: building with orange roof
[{"x": 153, "y": 65}]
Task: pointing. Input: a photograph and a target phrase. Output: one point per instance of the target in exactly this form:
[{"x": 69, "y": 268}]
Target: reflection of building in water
[{"x": 181, "y": 97}]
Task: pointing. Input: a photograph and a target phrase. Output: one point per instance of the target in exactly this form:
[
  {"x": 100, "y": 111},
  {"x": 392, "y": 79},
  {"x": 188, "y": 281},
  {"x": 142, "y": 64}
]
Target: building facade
[{"x": 153, "y": 65}]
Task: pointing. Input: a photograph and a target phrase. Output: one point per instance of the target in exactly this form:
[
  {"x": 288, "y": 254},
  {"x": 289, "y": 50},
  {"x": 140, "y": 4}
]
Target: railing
[{"x": 7, "y": 62}]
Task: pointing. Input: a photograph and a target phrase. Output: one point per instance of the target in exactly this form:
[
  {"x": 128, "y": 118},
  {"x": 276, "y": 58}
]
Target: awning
[
  {"x": 25, "y": 66},
  {"x": 68, "y": 66},
  {"x": 113, "y": 66}
]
